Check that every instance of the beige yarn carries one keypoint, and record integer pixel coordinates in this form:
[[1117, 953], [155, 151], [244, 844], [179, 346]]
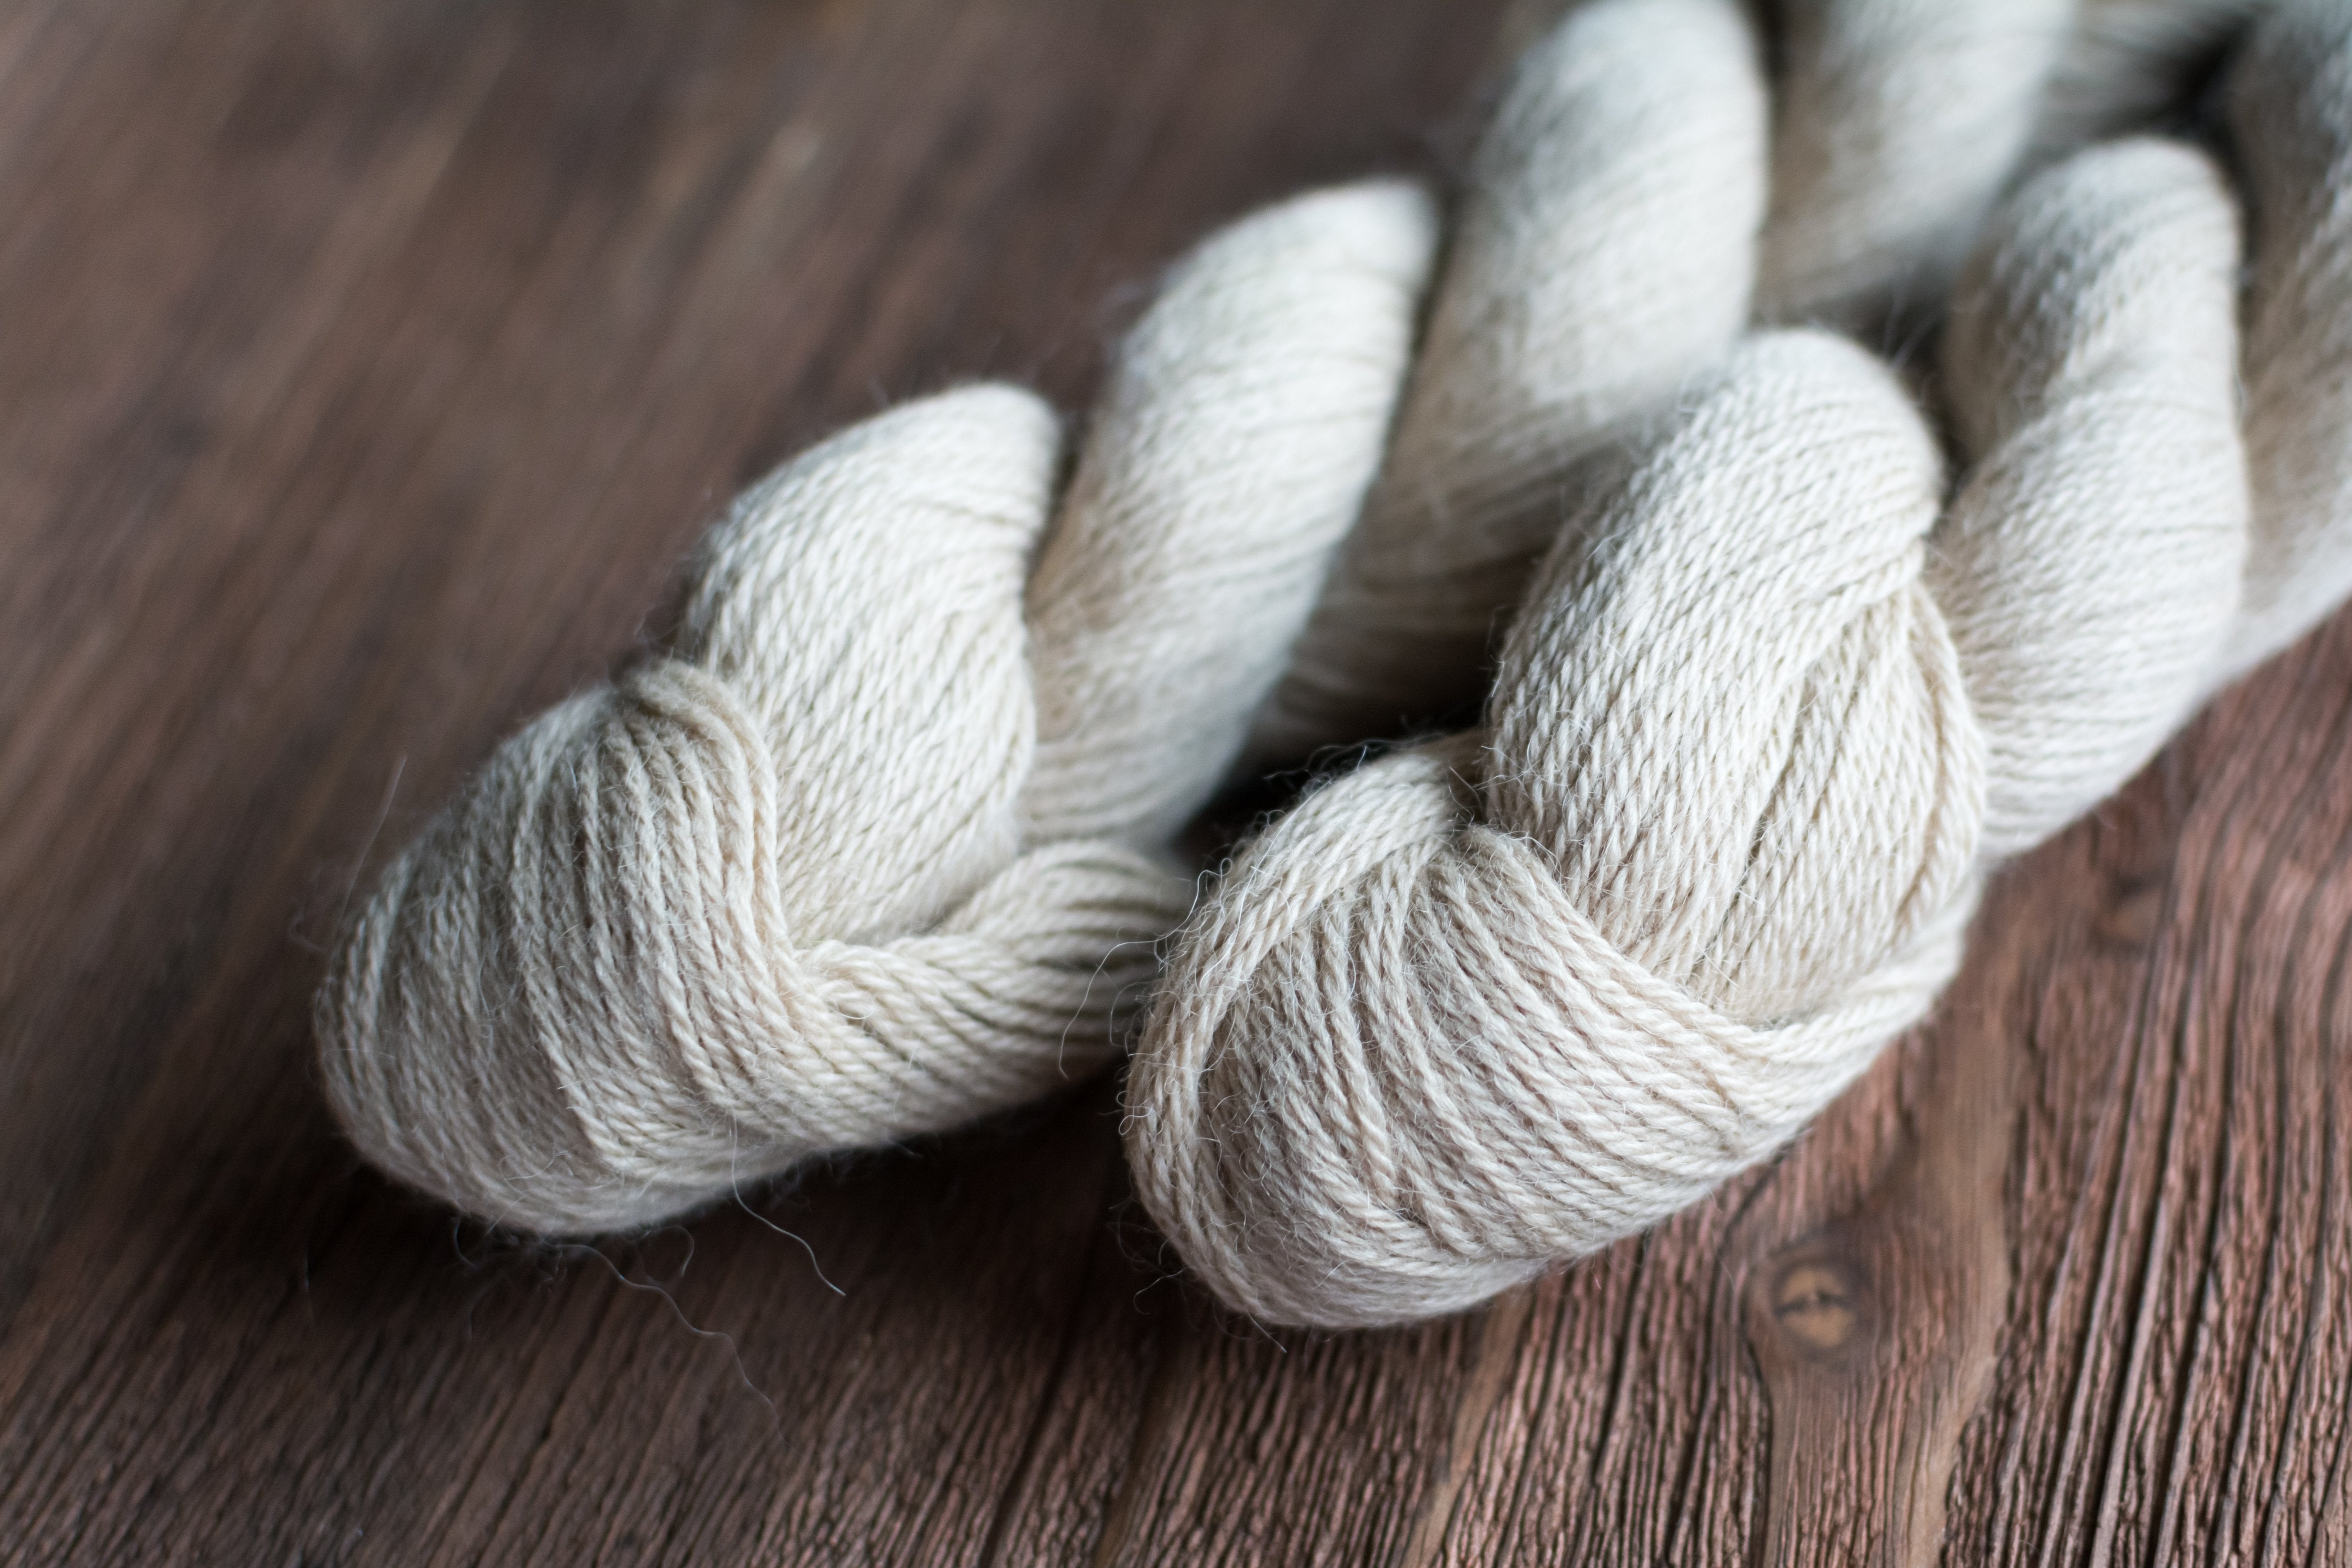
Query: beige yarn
[[1604, 254], [878, 846], [1615, 238], [874, 848], [1770, 708]]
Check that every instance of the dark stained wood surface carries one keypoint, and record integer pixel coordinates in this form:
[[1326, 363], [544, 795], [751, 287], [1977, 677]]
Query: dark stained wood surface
[[363, 367]]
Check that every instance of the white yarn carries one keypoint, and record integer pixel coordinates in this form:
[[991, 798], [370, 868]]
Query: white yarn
[[2090, 567], [1604, 254], [1899, 120], [2291, 108], [1615, 237], [1497, 1000], [876, 847]]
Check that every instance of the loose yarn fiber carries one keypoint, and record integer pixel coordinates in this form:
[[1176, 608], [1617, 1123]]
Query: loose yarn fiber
[[1770, 708], [879, 843]]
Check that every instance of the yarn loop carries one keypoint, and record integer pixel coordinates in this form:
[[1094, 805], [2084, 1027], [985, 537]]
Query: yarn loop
[[878, 845]]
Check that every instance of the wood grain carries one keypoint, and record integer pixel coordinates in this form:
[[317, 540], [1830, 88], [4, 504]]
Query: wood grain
[[363, 367]]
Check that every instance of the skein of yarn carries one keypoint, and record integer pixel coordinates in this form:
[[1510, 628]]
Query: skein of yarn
[[1771, 709], [878, 844], [878, 847], [1641, 198]]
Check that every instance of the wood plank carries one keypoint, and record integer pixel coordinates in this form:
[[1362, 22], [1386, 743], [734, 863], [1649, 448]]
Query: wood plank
[[364, 367], [369, 366]]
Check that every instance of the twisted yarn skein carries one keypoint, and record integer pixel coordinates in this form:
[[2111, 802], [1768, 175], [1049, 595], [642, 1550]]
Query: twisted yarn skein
[[878, 845], [1642, 197], [1771, 709]]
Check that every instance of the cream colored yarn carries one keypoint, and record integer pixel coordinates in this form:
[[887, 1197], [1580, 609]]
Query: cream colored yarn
[[1771, 707], [874, 848], [878, 846], [1617, 235]]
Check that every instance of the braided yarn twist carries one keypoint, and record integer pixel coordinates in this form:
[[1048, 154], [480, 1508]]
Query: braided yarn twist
[[1641, 199], [1772, 706], [878, 844]]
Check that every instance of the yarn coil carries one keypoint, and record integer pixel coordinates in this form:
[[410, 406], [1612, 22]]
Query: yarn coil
[[1771, 709], [878, 843], [1639, 199]]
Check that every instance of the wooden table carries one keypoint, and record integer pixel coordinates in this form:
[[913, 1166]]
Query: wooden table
[[363, 367]]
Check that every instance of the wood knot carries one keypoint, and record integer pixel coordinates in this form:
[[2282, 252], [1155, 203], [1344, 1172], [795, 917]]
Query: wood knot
[[2132, 911], [1817, 1302]]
